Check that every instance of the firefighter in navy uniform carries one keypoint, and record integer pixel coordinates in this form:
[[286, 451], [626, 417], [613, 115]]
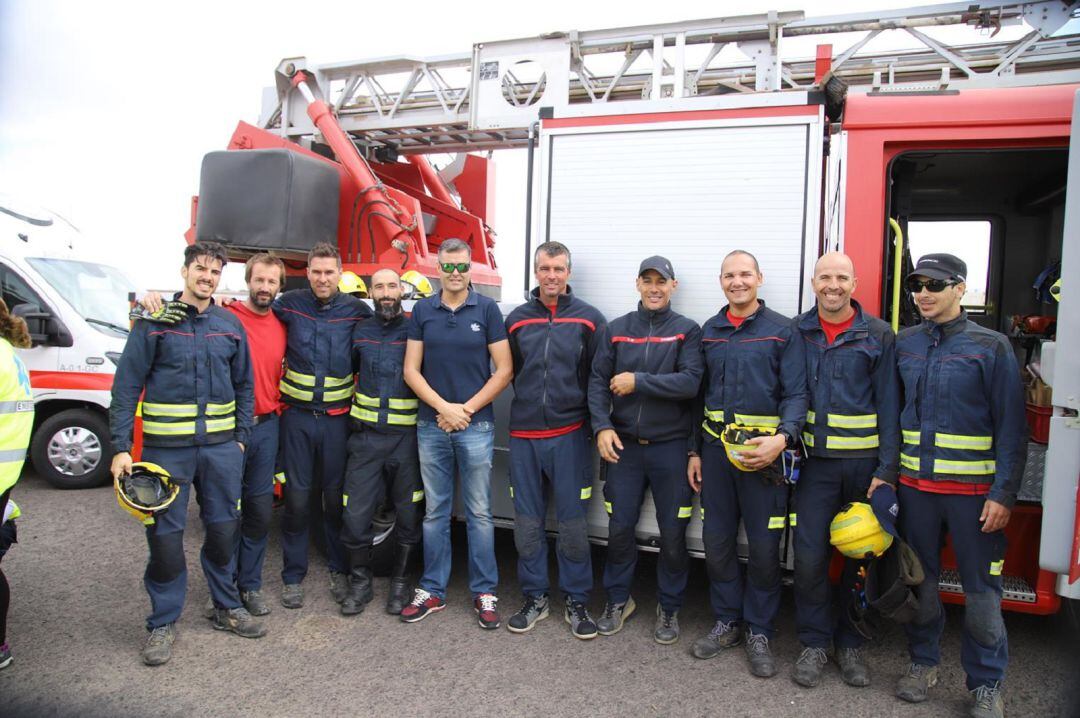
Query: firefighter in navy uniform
[[645, 377], [316, 389], [553, 338], [962, 455], [852, 441], [197, 416], [754, 388], [382, 448]]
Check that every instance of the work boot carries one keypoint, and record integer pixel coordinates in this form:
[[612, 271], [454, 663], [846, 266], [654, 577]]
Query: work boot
[[534, 609], [723, 635], [399, 580], [581, 623], [292, 595], [666, 631], [339, 585], [614, 616], [238, 621], [807, 669], [254, 602], [5, 656], [360, 592], [761, 660], [915, 686], [988, 702], [853, 668], [158, 648]]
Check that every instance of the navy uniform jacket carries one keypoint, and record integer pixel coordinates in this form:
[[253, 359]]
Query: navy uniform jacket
[[663, 350], [382, 400], [553, 355], [198, 382]]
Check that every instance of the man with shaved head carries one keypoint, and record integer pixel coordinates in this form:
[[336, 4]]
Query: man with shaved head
[[382, 448], [852, 440]]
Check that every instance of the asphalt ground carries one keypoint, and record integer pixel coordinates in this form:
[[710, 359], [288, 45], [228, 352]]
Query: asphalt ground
[[78, 606]]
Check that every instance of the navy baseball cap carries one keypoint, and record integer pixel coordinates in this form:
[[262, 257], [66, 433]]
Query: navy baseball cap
[[886, 508], [941, 266], [659, 264]]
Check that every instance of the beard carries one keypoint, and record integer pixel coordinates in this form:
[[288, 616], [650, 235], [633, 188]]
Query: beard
[[388, 309], [262, 300]]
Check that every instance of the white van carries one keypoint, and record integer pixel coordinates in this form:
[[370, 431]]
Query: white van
[[76, 309]]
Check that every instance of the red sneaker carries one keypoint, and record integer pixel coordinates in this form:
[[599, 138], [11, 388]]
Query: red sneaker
[[422, 604], [486, 610]]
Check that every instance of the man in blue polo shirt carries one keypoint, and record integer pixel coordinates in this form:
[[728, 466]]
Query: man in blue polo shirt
[[454, 338]]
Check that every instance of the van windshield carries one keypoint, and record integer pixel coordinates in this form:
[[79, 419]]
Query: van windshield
[[99, 293]]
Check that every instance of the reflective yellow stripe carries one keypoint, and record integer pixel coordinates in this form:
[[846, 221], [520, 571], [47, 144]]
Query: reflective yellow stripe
[[851, 442], [238, 504], [586, 493], [181, 410], [962, 441], [372, 417], [607, 507], [910, 437], [511, 492], [337, 394], [364, 414], [220, 424], [702, 509], [909, 462], [757, 420], [365, 400], [417, 496], [996, 567], [942, 466], [338, 380], [808, 439], [810, 417], [219, 409], [792, 519], [296, 393], [279, 477], [853, 421], [403, 403], [684, 512], [776, 522], [401, 419], [297, 378], [706, 427], [344, 499], [168, 428], [717, 416]]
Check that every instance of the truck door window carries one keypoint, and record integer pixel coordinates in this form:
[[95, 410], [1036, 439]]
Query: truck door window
[[968, 240], [16, 291]]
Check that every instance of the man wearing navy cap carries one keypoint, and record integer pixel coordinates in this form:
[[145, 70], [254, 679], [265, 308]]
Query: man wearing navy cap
[[645, 376], [962, 456]]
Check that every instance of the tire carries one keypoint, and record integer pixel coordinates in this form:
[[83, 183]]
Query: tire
[[71, 449]]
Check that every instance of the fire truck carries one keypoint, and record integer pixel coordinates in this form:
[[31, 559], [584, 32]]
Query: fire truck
[[881, 134]]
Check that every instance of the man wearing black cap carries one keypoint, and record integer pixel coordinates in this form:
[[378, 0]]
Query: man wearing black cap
[[963, 445], [645, 375]]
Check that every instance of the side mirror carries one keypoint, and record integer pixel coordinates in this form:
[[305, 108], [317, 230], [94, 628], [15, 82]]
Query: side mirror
[[45, 328]]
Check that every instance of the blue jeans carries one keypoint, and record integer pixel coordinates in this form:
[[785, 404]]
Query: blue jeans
[[470, 452]]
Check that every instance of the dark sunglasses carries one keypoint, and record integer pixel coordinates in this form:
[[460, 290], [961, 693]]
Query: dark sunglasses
[[933, 285], [461, 267]]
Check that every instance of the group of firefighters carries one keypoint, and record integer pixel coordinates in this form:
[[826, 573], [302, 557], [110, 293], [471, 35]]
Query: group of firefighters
[[367, 403]]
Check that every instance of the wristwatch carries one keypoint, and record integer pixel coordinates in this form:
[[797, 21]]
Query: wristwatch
[[789, 440]]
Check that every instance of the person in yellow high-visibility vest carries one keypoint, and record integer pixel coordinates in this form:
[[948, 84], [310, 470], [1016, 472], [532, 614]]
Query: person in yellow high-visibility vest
[[16, 420]]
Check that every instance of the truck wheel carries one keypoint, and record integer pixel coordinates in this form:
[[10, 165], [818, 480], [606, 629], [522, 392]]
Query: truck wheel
[[71, 449]]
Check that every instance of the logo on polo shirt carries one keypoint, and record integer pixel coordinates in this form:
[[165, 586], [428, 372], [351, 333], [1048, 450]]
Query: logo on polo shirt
[[475, 326]]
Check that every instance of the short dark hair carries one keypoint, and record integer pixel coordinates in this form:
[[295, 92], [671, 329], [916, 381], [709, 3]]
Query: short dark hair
[[210, 250], [263, 258], [453, 244], [734, 252], [324, 249], [553, 249]]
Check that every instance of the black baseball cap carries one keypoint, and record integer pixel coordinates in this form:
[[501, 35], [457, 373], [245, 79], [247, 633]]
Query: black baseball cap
[[940, 266], [659, 264], [886, 508]]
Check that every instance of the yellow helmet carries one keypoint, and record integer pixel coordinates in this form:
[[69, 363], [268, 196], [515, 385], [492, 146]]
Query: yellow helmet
[[857, 533], [350, 283], [416, 285], [734, 438], [146, 492]]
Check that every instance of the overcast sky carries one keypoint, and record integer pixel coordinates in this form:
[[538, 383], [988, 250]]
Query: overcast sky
[[106, 108]]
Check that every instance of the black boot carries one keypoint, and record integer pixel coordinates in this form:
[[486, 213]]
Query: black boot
[[360, 583], [400, 592]]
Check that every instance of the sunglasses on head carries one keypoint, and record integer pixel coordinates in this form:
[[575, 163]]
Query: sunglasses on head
[[932, 285], [461, 267]]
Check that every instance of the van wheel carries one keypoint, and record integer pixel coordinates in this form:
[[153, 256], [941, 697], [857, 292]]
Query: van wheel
[[71, 449]]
